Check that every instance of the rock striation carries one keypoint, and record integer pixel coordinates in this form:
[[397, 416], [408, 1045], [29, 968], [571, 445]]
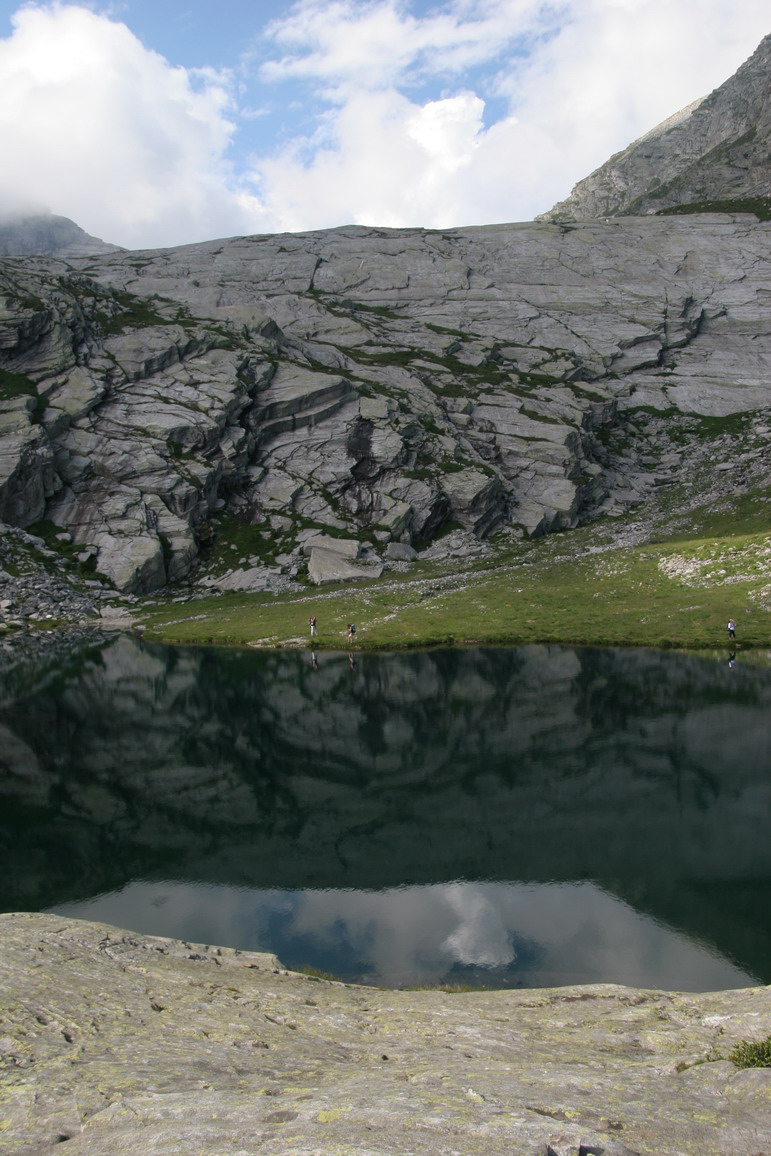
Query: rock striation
[[119, 1042], [715, 150], [382, 386]]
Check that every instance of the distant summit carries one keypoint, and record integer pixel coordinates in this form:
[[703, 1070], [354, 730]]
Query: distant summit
[[49, 235], [713, 155]]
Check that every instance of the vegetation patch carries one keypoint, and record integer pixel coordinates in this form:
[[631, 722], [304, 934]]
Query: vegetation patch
[[50, 533], [760, 206], [234, 539], [13, 385], [550, 590], [121, 311], [752, 1053]]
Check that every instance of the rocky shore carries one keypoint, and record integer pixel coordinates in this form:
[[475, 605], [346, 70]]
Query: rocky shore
[[124, 1043], [45, 609]]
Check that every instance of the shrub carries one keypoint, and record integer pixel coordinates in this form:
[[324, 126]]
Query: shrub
[[752, 1053]]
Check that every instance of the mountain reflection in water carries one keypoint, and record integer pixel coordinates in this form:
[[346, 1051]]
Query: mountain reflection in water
[[527, 816]]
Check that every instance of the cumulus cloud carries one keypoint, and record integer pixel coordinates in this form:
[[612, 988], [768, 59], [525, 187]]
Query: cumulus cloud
[[572, 84], [96, 127], [381, 159], [471, 112], [347, 45]]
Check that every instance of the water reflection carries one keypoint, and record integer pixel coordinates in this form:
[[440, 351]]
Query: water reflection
[[287, 796], [503, 934]]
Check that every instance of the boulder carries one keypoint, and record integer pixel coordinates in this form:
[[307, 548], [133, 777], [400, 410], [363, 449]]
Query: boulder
[[400, 552], [326, 565], [343, 547]]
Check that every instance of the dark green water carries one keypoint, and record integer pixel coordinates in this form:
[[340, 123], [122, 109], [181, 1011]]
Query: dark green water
[[528, 816]]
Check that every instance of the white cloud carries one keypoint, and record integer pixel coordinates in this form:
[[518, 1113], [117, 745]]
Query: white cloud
[[348, 45], [100, 129], [596, 75], [478, 111], [381, 159]]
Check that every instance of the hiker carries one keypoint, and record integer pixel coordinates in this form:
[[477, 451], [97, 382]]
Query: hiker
[[731, 629], [312, 624], [351, 631]]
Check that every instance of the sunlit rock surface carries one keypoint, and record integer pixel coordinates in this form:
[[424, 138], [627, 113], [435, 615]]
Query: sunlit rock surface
[[123, 1043], [387, 384]]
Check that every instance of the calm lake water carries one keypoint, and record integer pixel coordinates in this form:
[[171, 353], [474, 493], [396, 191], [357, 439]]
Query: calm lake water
[[515, 817]]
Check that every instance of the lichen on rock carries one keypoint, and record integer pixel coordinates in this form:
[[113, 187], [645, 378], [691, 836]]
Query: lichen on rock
[[120, 1042]]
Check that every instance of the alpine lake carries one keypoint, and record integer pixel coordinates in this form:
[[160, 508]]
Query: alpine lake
[[519, 817]]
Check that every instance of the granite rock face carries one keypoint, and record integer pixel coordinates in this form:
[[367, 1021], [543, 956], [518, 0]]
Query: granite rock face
[[385, 385], [116, 1042], [716, 149]]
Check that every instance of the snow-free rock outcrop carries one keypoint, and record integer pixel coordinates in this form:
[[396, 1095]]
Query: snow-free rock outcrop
[[24, 233], [156, 1046], [387, 385], [715, 150]]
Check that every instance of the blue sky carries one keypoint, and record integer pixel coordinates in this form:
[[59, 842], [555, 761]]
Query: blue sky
[[161, 122]]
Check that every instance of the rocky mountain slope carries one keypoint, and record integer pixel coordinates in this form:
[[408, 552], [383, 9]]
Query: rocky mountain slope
[[378, 386], [715, 150]]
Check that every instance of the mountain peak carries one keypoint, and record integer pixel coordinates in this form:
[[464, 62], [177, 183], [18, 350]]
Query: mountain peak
[[47, 234], [715, 150]]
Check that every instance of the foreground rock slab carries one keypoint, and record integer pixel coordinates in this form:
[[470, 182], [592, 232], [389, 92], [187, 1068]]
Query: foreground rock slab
[[124, 1043]]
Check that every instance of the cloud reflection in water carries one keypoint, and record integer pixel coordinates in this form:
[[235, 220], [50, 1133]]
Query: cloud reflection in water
[[503, 934]]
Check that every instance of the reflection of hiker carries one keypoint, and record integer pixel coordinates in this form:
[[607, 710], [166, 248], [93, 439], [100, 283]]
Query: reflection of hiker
[[351, 662], [731, 660], [314, 661], [731, 628], [352, 632], [312, 624]]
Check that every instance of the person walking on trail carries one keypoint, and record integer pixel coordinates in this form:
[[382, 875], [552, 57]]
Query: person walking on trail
[[352, 632], [731, 629], [312, 624]]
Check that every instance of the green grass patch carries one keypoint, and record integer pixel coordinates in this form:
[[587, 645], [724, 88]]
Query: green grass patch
[[547, 591], [739, 515], [760, 206], [317, 973], [13, 385], [234, 539], [48, 531]]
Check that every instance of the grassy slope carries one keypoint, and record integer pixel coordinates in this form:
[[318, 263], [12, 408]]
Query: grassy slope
[[678, 591]]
